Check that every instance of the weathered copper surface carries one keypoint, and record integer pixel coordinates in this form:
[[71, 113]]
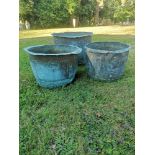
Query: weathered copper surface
[[79, 39], [106, 60], [53, 65]]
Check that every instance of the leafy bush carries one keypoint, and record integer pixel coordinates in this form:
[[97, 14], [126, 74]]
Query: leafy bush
[[47, 13]]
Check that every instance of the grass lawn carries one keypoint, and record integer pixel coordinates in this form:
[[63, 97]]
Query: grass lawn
[[86, 117]]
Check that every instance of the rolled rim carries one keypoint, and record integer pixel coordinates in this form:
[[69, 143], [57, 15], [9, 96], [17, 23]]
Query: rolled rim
[[72, 34], [75, 50], [125, 47]]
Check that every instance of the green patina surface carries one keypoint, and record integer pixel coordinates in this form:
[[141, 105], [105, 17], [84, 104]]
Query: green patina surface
[[80, 39], [53, 65], [106, 60]]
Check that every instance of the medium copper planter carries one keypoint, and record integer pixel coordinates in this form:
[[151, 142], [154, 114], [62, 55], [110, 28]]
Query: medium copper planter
[[106, 60], [79, 39], [53, 65]]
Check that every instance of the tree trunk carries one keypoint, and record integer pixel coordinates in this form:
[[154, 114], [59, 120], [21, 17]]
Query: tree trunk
[[97, 13], [78, 21]]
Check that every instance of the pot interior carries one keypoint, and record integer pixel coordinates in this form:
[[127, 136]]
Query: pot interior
[[107, 46], [52, 49]]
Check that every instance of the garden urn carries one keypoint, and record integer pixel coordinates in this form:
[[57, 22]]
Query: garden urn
[[79, 39], [53, 65], [106, 60]]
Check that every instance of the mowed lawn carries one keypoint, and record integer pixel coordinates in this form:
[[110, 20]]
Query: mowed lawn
[[87, 117]]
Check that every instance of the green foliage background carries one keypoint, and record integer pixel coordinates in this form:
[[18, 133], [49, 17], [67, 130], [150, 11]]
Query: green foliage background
[[52, 13]]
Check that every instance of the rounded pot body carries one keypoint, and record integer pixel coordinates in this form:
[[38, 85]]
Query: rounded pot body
[[53, 65], [79, 39], [106, 60]]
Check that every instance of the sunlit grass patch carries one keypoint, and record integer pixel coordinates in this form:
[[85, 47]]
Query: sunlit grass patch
[[107, 30]]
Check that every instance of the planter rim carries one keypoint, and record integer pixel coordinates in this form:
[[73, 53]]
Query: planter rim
[[76, 51], [72, 34], [108, 51]]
